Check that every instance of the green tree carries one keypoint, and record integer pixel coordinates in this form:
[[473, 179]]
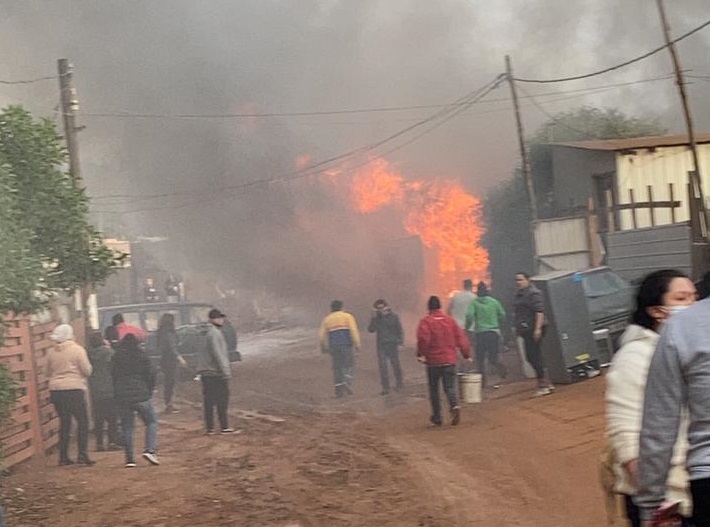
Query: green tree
[[507, 209]]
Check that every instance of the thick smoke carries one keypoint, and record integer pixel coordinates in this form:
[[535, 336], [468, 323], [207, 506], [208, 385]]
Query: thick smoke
[[220, 57]]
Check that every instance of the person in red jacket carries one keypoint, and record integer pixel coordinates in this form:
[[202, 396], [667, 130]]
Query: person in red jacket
[[438, 339]]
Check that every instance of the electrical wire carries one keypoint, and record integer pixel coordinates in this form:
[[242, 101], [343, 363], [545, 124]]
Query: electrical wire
[[29, 81], [618, 66], [442, 116]]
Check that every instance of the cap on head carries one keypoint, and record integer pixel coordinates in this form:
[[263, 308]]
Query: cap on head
[[62, 333], [379, 303], [336, 305], [433, 303], [215, 313]]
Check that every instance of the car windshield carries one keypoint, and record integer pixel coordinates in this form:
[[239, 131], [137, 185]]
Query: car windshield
[[602, 284], [197, 314], [152, 318]]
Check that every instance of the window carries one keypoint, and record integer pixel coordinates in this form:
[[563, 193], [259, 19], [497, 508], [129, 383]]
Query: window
[[152, 318]]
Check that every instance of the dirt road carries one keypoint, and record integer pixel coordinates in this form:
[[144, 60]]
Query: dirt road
[[304, 459]]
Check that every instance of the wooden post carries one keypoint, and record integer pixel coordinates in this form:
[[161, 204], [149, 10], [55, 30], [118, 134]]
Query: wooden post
[[632, 201], [32, 389], [610, 209], [595, 253], [651, 210], [672, 197]]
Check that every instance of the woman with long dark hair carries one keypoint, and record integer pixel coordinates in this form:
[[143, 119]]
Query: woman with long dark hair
[[169, 358], [660, 295]]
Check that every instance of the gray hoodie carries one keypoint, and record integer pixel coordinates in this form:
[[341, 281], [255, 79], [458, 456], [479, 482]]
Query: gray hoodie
[[679, 376], [213, 359]]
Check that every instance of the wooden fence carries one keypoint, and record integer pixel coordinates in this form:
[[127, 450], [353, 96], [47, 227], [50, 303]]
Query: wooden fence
[[32, 429]]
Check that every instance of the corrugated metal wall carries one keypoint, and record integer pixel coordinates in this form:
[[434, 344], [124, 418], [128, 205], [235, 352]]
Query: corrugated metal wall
[[635, 253], [562, 244], [658, 168]]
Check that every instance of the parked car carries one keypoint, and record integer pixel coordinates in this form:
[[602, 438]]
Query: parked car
[[610, 300], [190, 319]]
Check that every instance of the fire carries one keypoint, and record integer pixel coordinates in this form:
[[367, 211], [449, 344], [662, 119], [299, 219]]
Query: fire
[[376, 185], [441, 212]]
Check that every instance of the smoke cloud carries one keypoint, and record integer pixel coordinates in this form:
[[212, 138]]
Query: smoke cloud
[[300, 238]]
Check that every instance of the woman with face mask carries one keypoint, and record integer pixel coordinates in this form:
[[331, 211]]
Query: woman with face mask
[[660, 295]]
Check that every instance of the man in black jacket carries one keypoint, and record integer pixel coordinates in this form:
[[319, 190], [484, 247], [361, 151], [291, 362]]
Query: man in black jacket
[[101, 389], [133, 384], [390, 340]]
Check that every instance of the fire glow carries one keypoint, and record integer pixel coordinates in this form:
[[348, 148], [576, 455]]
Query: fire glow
[[441, 212]]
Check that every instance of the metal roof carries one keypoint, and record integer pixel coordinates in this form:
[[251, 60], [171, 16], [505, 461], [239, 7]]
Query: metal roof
[[635, 143]]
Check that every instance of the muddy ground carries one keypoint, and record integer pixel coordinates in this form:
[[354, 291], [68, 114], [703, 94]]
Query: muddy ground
[[304, 459]]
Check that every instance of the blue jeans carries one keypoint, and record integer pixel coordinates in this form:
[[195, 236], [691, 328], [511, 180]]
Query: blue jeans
[[147, 414]]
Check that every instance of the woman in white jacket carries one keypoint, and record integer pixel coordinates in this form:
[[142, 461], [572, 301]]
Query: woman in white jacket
[[661, 294]]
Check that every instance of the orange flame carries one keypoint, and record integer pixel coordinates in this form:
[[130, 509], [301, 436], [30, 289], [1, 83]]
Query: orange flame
[[442, 213]]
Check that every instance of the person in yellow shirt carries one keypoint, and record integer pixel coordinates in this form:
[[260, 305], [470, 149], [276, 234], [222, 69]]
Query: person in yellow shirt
[[340, 337]]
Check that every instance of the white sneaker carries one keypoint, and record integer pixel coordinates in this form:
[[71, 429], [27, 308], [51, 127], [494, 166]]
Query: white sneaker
[[151, 458], [542, 391], [131, 464]]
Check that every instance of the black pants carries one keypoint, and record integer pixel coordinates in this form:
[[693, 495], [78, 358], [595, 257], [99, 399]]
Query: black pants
[[445, 375], [169, 377], [533, 354], [68, 404], [388, 354], [700, 489], [487, 346], [215, 393], [343, 369], [633, 514], [105, 412]]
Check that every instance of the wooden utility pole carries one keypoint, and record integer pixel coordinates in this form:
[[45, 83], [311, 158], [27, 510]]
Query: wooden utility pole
[[694, 176], [69, 105], [525, 161]]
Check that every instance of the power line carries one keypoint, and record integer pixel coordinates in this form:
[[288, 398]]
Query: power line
[[442, 116], [29, 81], [130, 198], [618, 66]]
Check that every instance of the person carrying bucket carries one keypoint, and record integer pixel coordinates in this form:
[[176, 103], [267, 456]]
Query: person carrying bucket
[[484, 319], [438, 339]]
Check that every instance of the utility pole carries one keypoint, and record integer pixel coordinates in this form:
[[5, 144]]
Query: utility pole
[[521, 140], [524, 159], [69, 105], [695, 180]]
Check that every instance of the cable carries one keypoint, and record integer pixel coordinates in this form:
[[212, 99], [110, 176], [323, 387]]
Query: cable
[[618, 66], [30, 81], [577, 92], [444, 115]]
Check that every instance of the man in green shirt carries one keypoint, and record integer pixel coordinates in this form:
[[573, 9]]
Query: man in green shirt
[[484, 319]]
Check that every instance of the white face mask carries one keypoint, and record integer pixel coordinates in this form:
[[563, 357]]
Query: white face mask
[[674, 310]]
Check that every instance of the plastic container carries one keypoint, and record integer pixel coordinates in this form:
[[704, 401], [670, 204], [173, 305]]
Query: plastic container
[[470, 387]]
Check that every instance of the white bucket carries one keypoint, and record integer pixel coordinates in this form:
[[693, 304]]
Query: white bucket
[[470, 387]]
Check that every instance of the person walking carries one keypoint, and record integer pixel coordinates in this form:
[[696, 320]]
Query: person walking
[[101, 390], [458, 305], [529, 325], [170, 358], [68, 369], [390, 341], [339, 337], [123, 328], [659, 294], [678, 384], [214, 371], [133, 384], [484, 320], [438, 339]]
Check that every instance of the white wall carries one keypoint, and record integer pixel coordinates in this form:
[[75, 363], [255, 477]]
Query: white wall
[[659, 168]]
